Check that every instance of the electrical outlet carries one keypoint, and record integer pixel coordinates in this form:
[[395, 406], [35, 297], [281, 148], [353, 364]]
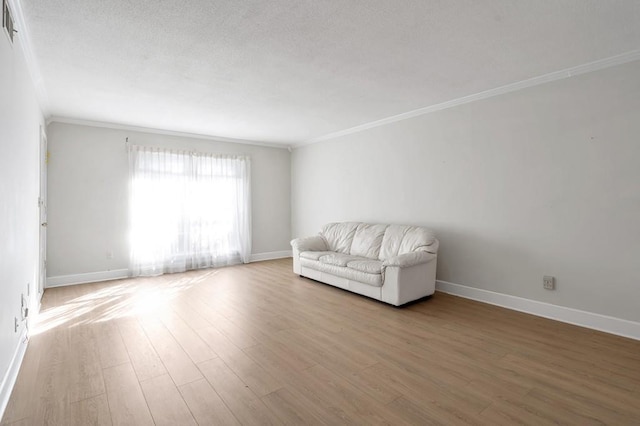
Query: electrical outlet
[[549, 282]]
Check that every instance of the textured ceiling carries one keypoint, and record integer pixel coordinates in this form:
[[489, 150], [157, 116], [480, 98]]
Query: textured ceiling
[[290, 71]]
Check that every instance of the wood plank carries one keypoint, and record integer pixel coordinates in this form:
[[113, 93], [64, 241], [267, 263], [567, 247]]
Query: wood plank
[[90, 411], [127, 404], [145, 360], [294, 409], [259, 380], [431, 412], [111, 348], [206, 405], [165, 402], [193, 345], [181, 368], [52, 393], [342, 397], [83, 364], [242, 401], [28, 421]]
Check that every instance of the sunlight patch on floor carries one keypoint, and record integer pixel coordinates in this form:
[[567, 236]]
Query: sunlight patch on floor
[[136, 297]]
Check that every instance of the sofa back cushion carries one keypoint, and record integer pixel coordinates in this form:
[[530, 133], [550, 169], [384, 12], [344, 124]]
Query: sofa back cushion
[[339, 236], [400, 239], [367, 240], [377, 240]]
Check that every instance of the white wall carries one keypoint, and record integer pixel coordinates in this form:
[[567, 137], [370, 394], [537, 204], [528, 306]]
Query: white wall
[[543, 181], [87, 186], [20, 120]]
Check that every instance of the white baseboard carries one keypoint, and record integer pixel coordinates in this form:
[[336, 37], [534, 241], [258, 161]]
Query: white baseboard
[[90, 277], [9, 380], [258, 257], [618, 326]]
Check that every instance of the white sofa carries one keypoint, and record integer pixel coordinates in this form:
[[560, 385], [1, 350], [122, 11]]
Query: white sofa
[[392, 263]]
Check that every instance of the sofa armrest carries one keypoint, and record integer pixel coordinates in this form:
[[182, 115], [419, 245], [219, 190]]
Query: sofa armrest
[[433, 247], [405, 284], [409, 259], [315, 243]]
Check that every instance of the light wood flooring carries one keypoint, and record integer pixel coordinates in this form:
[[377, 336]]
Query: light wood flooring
[[256, 344]]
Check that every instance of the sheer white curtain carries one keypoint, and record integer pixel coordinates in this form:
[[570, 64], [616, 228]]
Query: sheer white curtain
[[188, 210]]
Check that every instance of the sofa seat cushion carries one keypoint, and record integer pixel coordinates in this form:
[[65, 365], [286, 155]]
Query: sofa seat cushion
[[338, 259], [314, 255], [368, 266], [343, 272]]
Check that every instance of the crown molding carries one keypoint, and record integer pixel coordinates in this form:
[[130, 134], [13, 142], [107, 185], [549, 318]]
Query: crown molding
[[535, 81], [24, 40], [107, 125]]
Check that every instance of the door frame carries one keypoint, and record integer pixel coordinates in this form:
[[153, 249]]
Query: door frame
[[42, 215]]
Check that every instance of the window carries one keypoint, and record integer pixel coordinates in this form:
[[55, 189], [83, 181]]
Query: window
[[188, 210]]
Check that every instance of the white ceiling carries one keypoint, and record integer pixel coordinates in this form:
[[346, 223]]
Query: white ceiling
[[291, 71]]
